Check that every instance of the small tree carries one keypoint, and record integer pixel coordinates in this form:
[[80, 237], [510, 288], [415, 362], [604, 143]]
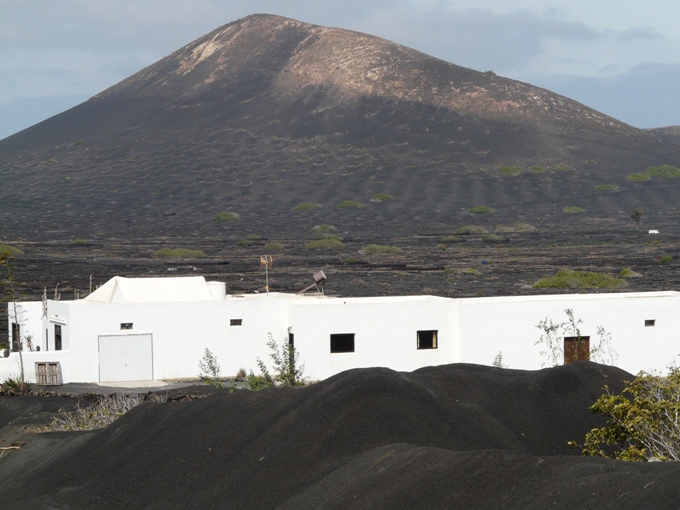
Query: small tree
[[643, 421], [288, 371], [498, 361], [210, 370], [636, 216]]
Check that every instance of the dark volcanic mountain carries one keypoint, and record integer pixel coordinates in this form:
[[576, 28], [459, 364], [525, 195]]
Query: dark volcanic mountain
[[267, 112]]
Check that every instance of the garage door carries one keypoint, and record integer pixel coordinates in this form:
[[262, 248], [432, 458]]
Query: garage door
[[125, 358]]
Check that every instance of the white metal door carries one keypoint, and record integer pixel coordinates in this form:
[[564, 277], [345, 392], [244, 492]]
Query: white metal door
[[125, 358]]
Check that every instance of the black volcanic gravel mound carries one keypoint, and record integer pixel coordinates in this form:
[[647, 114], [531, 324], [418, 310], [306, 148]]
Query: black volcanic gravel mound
[[444, 437]]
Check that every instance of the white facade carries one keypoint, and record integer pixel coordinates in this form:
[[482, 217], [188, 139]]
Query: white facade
[[159, 328]]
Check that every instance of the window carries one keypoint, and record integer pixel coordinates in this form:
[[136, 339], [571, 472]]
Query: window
[[427, 339], [236, 322], [650, 323], [342, 342], [57, 337], [125, 325], [16, 336]]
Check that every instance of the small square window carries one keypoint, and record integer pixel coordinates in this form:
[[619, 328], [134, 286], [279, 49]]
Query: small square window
[[236, 322], [427, 339], [125, 325], [342, 342], [650, 323]]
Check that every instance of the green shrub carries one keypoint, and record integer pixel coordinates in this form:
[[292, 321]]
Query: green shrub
[[606, 188], [326, 244], [253, 237], [504, 229], [666, 259], [325, 228], [569, 279], [573, 210], [11, 250], [638, 177], [348, 203], [441, 247], [481, 209], [377, 249], [564, 168], [537, 169], [351, 260], [329, 236], [381, 197], [493, 238], [227, 216], [663, 171], [524, 227], [273, 247], [511, 171], [471, 229], [591, 162], [179, 253], [243, 243], [305, 206], [79, 242], [471, 270], [629, 273], [451, 239], [464, 270]]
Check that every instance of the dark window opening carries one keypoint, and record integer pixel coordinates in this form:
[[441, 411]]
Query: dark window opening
[[47, 339], [427, 339], [125, 325], [57, 337], [236, 322], [576, 348], [16, 336], [342, 342], [291, 340], [649, 323]]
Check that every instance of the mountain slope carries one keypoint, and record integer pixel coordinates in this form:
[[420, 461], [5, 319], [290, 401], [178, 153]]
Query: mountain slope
[[267, 112]]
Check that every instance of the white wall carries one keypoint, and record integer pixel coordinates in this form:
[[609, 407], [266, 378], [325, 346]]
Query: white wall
[[385, 332], [508, 324]]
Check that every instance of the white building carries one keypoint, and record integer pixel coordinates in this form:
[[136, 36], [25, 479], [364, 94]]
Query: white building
[[158, 328]]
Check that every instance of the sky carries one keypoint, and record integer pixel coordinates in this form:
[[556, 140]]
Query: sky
[[621, 57]]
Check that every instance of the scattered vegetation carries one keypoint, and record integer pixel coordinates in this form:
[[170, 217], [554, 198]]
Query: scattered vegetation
[[511, 171], [100, 414], [227, 216], [326, 244], [629, 273], [464, 270], [288, 371], [452, 239], [537, 169], [638, 177], [498, 361], [441, 247], [14, 385], [504, 229], [10, 250], [323, 229], [179, 253], [552, 340], [666, 259], [608, 188], [481, 209], [377, 249], [564, 168], [573, 210], [636, 216], [80, 242], [643, 422], [494, 238], [273, 247], [524, 227], [382, 197], [471, 229], [243, 243], [569, 279], [663, 171], [305, 206], [348, 203]]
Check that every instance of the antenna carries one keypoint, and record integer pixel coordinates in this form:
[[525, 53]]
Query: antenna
[[266, 261]]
